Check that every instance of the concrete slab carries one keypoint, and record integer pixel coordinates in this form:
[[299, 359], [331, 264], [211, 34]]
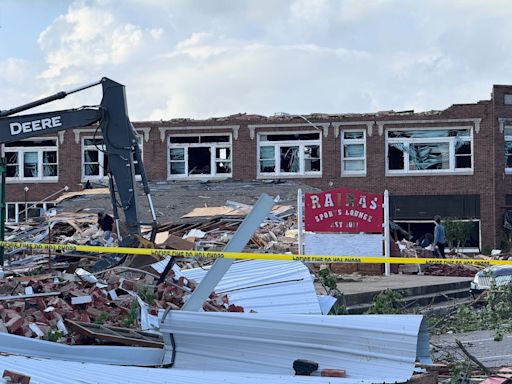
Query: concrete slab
[[362, 284], [417, 290], [479, 343]]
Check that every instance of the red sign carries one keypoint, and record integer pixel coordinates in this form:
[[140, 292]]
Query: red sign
[[343, 210]]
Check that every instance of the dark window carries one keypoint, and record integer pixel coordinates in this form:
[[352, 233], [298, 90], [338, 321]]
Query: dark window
[[395, 158]]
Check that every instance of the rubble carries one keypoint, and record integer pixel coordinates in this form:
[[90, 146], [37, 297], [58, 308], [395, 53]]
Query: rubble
[[111, 301]]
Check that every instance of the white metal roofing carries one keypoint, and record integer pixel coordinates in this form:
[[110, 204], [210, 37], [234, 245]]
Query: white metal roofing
[[267, 343], [267, 286], [42, 371], [102, 354]]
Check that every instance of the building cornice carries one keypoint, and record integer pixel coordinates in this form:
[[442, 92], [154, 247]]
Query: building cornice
[[253, 127], [337, 125], [144, 130], [381, 123], [164, 130]]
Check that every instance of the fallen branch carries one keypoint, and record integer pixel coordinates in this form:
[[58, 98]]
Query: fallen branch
[[473, 358]]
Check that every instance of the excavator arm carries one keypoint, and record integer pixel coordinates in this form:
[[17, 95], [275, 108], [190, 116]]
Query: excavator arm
[[119, 136]]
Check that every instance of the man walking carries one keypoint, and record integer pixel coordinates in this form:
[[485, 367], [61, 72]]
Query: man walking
[[439, 235]]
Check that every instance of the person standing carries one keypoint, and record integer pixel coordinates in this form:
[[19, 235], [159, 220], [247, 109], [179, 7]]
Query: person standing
[[106, 223], [439, 239]]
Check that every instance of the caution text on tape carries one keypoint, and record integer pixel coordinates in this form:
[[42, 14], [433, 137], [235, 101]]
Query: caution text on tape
[[251, 256]]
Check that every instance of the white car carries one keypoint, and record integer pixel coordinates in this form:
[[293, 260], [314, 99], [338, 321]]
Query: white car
[[497, 275]]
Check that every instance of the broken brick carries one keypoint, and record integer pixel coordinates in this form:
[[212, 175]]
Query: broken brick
[[14, 324], [15, 377], [333, 372]]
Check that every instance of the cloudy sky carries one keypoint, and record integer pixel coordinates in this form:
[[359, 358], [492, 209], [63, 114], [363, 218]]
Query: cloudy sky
[[205, 58]]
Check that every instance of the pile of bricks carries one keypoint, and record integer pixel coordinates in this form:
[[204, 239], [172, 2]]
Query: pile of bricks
[[104, 302], [451, 270]]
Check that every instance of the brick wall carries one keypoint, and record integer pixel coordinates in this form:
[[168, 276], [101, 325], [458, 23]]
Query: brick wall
[[488, 179]]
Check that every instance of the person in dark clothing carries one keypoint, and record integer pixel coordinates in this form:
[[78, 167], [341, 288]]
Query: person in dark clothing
[[105, 223], [439, 236], [427, 240]]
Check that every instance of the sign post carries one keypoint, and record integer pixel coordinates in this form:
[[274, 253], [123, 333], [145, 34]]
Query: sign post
[[387, 250], [299, 219]]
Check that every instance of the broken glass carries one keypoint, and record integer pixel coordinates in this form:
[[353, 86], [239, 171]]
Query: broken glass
[[463, 155], [199, 161], [508, 154], [429, 156], [312, 158], [12, 164], [353, 135], [396, 156], [290, 162]]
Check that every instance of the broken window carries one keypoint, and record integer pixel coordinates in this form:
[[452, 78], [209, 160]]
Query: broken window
[[31, 159], [95, 158], [435, 150], [508, 149], [289, 154], [353, 152], [200, 155], [16, 212]]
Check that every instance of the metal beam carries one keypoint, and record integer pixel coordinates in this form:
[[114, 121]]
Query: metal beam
[[237, 243]]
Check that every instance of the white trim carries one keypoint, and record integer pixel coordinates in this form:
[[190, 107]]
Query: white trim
[[502, 121], [429, 172], [213, 160], [99, 134], [380, 124], [165, 130], [344, 142], [101, 158], [507, 139], [277, 158], [20, 150], [17, 210], [253, 127], [337, 125]]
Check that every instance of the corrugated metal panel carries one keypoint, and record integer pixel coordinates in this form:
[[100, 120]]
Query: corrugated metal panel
[[65, 372], [246, 342], [20, 345], [267, 286]]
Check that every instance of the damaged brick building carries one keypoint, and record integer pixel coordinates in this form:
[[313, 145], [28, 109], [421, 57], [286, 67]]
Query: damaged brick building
[[456, 163]]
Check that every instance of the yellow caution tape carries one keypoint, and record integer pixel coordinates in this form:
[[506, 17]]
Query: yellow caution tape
[[251, 256]]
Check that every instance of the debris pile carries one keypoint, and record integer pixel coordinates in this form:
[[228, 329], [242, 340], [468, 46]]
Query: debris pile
[[44, 306]]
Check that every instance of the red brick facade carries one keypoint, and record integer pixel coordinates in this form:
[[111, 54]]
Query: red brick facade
[[488, 179]]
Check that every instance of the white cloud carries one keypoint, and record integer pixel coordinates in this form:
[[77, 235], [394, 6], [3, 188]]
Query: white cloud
[[200, 59]]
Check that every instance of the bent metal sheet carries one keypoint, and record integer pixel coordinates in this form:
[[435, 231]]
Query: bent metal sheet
[[344, 211]]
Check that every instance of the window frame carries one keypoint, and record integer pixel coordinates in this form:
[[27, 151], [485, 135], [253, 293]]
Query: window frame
[[451, 170], [353, 141], [213, 146], [288, 143], [507, 138], [17, 211], [21, 150], [101, 157]]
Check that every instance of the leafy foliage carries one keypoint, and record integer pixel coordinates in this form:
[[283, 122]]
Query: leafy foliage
[[457, 232], [495, 315], [330, 283], [387, 302], [132, 315]]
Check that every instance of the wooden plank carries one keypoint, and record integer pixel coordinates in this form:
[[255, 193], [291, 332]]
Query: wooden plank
[[119, 335], [32, 296]]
